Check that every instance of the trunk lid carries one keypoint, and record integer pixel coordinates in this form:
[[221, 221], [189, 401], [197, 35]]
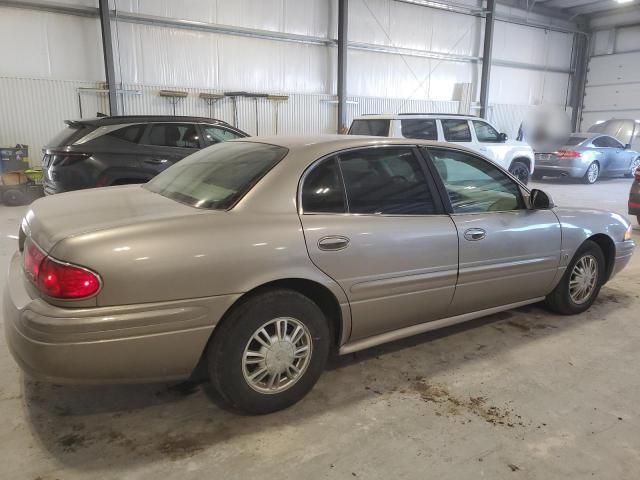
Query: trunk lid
[[54, 218]]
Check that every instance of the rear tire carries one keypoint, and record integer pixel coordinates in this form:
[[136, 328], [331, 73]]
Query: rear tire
[[638, 219], [14, 197], [255, 362], [520, 170], [566, 298], [591, 175]]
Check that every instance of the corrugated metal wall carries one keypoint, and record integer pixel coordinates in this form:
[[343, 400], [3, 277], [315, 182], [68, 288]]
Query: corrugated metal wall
[[32, 111]]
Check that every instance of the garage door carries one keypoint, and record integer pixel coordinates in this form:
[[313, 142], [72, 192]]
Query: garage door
[[613, 88]]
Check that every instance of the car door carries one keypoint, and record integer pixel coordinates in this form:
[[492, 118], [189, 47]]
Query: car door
[[508, 253], [489, 143], [620, 158], [167, 143], [373, 222]]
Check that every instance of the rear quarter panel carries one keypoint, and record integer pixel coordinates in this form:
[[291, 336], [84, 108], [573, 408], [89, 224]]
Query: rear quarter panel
[[217, 253]]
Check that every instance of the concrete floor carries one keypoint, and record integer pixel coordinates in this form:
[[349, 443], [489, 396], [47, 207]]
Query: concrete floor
[[522, 394]]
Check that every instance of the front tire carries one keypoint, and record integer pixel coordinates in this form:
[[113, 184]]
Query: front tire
[[581, 282], [521, 171], [269, 351], [592, 174]]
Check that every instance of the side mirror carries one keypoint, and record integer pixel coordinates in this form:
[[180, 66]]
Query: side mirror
[[502, 137], [540, 200], [627, 146]]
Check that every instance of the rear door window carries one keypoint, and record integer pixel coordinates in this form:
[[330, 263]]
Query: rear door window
[[322, 191], [183, 135], [70, 135], [214, 135], [131, 134], [456, 130], [386, 181], [422, 128], [375, 127]]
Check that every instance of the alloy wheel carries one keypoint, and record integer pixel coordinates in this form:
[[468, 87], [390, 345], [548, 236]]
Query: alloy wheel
[[634, 165], [277, 355], [592, 172], [583, 279]]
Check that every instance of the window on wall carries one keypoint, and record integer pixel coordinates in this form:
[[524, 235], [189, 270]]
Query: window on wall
[[422, 128], [456, 130], [386, 181], [173, 135], [322, 191], [485, 132], [475, 185]]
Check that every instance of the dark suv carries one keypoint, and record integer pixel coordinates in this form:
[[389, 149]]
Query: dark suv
[[105, 151]]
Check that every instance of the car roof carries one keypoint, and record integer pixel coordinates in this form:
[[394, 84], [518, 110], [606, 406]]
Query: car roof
[[400, 116], [316, 146], [588, 134], [118, 119]]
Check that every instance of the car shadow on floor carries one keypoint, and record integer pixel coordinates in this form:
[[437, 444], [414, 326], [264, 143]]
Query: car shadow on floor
[[95, 428]]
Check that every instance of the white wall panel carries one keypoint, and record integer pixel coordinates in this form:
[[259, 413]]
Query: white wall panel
[[518, 86], [48, 45], [165, 56], [308, 17], [33, 111], [628, 39]]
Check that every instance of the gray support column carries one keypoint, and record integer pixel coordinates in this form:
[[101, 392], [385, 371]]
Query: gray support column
[[579, 80], [486, 57], [343, 24], [107, 51]]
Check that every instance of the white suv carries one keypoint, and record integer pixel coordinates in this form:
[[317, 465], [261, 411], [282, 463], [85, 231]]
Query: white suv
[[472, 132]]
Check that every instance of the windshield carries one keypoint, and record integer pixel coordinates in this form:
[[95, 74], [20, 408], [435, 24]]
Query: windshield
[[218, 176]]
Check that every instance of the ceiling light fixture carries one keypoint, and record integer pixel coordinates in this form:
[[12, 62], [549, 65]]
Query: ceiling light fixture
[[624, 1]]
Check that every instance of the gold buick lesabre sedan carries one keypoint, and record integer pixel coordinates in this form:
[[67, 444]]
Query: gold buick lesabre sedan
[[258, 256]]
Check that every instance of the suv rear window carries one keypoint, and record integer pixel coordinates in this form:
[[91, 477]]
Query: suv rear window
[[376, 127], [422, 128], [218, 176], [70, 135]]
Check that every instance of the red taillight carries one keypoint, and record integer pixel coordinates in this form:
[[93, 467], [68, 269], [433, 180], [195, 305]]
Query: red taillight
[[57, 279], [636, 174], [567, 154]]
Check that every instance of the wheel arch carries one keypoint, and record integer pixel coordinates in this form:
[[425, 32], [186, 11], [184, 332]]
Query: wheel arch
[[608, 247], [519, 158], [320, 294]]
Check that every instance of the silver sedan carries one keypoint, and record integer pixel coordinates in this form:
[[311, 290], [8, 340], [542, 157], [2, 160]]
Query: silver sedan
[[588, 156], [258, 257]]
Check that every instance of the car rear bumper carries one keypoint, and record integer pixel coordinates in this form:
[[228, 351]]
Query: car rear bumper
[[121, 344], [560, 171]]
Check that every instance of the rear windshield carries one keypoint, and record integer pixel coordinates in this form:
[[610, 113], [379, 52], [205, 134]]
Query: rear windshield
[[70, 135], [375, 127], [574, 140], [218, 176]]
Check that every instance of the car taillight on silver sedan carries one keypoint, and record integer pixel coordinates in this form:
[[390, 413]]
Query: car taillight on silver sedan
[[567, 154], [57, 279]]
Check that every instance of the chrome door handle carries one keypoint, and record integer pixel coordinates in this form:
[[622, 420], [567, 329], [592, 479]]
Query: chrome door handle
[[474, 234], [333, 243]]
